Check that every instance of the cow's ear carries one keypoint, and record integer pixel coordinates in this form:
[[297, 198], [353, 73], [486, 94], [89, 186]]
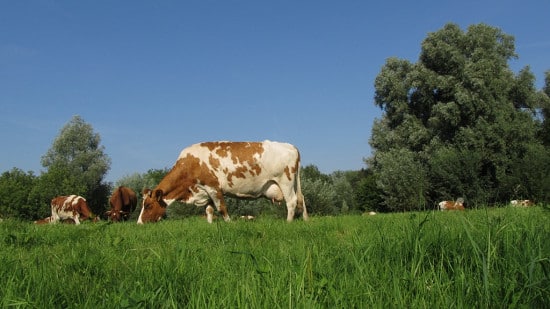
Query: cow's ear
[[146, 191], [158, 194]]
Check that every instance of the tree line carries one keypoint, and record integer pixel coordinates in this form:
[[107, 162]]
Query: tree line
[[457, 123]]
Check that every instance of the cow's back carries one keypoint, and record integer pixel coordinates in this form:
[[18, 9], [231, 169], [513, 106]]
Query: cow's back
[[243, 166]]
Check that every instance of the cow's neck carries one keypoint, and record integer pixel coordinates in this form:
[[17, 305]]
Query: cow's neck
[[171, 185]]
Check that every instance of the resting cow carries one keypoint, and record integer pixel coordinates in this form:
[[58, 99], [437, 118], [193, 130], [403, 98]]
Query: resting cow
[[450, 205], [522, 203], [205, 172], [123, 202], [69, 208]]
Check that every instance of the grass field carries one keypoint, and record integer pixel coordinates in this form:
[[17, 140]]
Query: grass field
[[489, 258]]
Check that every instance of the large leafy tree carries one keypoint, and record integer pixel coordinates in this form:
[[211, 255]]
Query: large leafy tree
[[456, 123], [75, 164]]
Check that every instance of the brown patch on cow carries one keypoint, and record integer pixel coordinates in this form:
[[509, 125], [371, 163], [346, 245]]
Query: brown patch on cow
[[215, 163], [81, 207], [522, 203], [288, 173], [186, 173], [179, 184], [240, 152], [239, 173], [452, 205]]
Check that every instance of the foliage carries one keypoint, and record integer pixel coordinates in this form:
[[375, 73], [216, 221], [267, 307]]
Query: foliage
[[138, 182], [455, 123], [76, 164], [367, 195], [475, 259], [405, 184], [545, 111], [15, 187]]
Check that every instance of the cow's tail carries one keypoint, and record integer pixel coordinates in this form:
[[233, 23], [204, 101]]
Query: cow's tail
[[301, 201]]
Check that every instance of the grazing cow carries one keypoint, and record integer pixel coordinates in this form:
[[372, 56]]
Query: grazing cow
[[123, 202], [522, 203], [205, 172], [69, 208], [450, 205]]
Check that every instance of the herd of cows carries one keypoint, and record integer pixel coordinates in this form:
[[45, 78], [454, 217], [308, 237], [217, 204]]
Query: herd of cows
[[203, 174], [459, 204], [206, 172], [74, 208]]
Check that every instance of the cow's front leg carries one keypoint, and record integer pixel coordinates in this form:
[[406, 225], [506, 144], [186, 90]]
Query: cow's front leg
[[209, 213], [76, 220]]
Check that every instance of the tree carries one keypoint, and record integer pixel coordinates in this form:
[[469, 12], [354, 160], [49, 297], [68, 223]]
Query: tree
[[455, 123], [15, 187], [76, 164], [545, 111], [368, 196], [138, 182]]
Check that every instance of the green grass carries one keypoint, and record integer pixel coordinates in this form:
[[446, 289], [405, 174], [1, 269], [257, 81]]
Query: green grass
[[494, 258]]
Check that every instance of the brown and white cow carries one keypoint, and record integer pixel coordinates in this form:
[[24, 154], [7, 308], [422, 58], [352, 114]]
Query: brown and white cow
[[123, 202], [69, 208], [522, 203], [205, 172], [452, 205]]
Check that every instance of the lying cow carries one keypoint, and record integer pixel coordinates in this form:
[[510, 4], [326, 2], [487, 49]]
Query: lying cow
[[69, 208], [450, 205], [123, 202], [205, 172], [522, 203]]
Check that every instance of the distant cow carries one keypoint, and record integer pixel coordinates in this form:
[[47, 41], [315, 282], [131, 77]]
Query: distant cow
[[123, 202], [72, 208], [522, 203], [450, 205], [205, 172]]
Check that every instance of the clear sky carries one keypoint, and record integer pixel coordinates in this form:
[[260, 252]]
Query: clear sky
[[153, 77]]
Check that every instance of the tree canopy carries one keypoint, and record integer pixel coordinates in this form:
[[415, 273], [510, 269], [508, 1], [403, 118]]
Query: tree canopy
[[76, 164], [458, 123]]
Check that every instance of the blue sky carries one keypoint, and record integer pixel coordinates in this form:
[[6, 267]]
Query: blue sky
[[152, 77]]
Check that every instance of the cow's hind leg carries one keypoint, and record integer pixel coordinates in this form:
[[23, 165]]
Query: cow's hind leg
[[219, 202], [291, 201], [223, 210]]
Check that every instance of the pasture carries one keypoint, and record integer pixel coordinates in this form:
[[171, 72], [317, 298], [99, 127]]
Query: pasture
[[486, 258]]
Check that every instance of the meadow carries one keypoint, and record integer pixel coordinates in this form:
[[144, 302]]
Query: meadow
[[485, 258]]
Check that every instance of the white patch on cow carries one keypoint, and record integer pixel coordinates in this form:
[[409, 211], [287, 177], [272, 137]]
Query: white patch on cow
[[140, 213], [201, 198]]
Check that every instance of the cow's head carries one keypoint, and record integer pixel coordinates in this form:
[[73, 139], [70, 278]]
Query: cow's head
[[153, 207], [115, 215]]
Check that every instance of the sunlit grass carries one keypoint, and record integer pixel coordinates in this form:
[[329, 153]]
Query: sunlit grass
[[479, 258]]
